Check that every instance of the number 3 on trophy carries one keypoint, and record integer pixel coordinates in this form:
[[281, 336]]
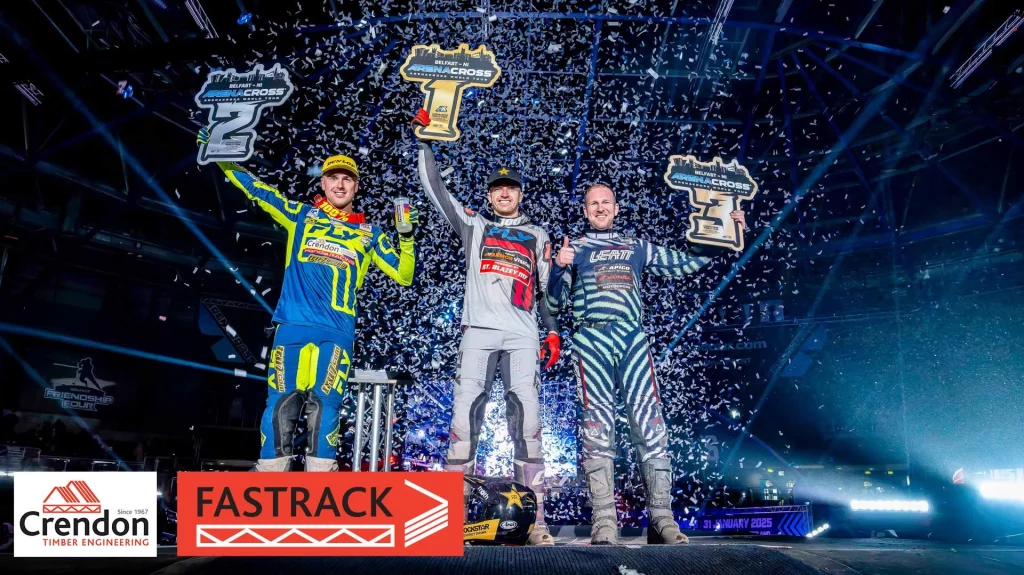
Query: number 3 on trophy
[[715, 190]]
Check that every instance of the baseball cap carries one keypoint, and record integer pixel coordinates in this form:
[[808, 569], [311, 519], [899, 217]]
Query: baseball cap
[[510, 175], [340, 163]]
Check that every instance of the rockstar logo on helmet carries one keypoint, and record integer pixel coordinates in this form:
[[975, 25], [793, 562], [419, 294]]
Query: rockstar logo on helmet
[[514, 497]]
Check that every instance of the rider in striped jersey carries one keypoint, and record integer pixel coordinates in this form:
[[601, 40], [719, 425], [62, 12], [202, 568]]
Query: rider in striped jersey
[[600, 272]]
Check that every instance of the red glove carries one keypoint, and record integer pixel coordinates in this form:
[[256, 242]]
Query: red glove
[[421, 118], [550, 347]]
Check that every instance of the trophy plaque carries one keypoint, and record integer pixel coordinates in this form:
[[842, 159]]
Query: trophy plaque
[[715, 189], [443, 76], [235, 101]]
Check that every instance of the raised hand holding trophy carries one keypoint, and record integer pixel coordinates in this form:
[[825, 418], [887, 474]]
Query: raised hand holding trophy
[[443, 75], [715, 190], [235, 101]]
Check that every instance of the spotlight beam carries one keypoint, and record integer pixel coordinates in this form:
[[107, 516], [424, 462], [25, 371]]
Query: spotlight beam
[[903, 81], [874, 106], [766, 52], [132, 162], [923, 149], [828, 116], [50, 336], [782, 460], [42, 383]]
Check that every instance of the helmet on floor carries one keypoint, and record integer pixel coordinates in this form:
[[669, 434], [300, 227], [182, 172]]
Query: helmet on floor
[[500, 511]]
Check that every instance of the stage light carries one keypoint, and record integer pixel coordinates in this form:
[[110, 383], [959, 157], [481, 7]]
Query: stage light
[[1002, 490], [124, 89], [897, 505], [734, 413], [818, 531], [244, 19]]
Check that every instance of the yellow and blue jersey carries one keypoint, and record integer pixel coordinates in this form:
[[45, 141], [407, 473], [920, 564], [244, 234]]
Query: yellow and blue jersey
[[328, 255]]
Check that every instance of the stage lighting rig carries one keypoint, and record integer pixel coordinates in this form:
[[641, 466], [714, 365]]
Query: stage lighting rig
[[30, 91], [1002, 490], [818, 531], [985, 50]]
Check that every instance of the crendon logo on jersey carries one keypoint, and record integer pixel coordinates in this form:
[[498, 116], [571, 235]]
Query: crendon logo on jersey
[[510, 254], [322, 251]]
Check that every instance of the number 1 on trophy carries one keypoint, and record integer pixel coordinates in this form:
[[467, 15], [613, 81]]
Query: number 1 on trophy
[[443, 76]]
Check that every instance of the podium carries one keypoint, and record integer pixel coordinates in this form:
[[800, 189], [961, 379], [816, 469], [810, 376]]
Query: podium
[[381, 387]]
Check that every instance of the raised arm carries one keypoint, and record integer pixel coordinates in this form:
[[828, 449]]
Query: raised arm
[[398, 266], [283, 210], [559, 287], [662, 261], [560, 280], [444, 202]]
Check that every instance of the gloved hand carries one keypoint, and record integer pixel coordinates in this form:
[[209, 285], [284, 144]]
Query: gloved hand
[[203, 137], [422, 118], [550, 348], [414, 219]]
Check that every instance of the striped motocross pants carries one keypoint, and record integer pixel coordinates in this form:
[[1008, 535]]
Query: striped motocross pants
[[612, 358]]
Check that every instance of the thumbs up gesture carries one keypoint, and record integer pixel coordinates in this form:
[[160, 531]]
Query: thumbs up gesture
[[566, 254]]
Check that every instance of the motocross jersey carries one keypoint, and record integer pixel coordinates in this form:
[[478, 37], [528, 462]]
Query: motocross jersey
[[328, 255], [604, 278], [505, 265]]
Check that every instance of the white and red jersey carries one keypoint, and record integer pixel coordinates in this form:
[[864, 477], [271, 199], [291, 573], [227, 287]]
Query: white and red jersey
[[505, 265]]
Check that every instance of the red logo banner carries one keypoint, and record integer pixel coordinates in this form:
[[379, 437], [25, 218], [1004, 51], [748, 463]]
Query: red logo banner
[[307, 514]]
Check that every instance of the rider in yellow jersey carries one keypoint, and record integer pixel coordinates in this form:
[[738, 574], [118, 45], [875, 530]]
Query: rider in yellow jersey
[[329, 251]]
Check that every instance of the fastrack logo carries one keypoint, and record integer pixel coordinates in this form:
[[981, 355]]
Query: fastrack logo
[[319, 514], [295, 501]]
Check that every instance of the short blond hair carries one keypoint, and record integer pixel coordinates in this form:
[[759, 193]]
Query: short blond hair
[[600, 184]]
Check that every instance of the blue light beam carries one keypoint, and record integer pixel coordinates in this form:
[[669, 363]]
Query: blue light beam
[[41, 382], [135, 165], [51, 336]]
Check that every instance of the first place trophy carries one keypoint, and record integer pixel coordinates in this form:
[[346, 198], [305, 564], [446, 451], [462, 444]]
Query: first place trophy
[[443, 76], [715, 189]]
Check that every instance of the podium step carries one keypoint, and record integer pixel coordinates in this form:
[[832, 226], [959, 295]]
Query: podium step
[[555, 560]]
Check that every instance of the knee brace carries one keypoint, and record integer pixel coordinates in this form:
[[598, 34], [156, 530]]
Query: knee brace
[[285, 417]]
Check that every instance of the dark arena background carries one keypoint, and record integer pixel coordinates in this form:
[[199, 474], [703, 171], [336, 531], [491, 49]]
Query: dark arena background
[[855, 374]]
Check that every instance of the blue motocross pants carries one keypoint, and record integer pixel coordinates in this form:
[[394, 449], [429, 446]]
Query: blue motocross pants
[[309, 368]]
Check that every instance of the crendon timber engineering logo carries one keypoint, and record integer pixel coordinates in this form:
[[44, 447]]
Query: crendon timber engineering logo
[[319, 514], [99, 514]]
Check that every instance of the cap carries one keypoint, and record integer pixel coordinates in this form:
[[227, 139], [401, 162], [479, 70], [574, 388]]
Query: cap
[[340, 163], [510, 175]]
